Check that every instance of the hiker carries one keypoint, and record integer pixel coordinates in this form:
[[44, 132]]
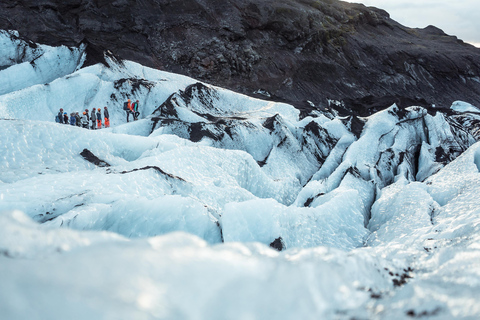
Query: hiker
[[65, 118], [127, 106], [59, 117], [84, 120], [135, 110], [78, 120], [107, 117], [73, 120], [99, 118], [93, 118], [88, 115]]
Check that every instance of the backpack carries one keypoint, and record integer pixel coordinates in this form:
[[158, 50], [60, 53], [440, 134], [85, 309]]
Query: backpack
[[57, 119], [125, 106]]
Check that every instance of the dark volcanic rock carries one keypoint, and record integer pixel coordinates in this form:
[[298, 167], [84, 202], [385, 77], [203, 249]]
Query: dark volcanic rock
[[90, 157], [294, 50], [278, 244]]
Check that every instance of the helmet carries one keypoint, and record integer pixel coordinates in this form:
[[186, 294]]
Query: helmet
[[61, 109], [64, 113], [84, 112], [137, 100], [129, 100], [98, 109], [104, 107]]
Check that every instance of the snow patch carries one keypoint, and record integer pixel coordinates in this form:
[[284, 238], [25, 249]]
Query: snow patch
[[461, 106]]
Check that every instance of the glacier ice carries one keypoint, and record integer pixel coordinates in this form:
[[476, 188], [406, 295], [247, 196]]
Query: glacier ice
[[378, 223]]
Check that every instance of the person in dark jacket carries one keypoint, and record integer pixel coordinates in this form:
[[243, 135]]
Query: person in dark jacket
[[77, 120], [65, 118], [93, 118], [88, 115], [59, 116], [73, 120], [107, 117], [135, 110], [99, 118]]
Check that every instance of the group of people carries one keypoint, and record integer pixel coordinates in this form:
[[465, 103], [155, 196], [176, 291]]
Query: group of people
[[95, 117], [132, 109], [93, 120]]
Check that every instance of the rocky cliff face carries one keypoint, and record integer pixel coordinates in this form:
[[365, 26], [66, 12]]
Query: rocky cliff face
[[293, 51]]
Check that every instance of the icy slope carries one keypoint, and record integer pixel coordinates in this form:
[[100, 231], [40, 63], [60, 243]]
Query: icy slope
[[25, 64], [172, 216], [215, 177], [421, 267], [434, 228], [50, 82], [173, 277]]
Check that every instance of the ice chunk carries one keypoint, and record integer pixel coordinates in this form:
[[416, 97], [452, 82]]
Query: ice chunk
[[337, 222], [461, 106]]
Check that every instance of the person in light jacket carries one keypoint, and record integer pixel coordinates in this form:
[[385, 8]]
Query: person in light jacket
[[78, 120], [84, 120]]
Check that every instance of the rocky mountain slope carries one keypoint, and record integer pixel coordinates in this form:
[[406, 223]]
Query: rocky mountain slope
[[293, 51]]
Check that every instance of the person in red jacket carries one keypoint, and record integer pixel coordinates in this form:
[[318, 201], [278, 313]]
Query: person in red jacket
[[129, 109]]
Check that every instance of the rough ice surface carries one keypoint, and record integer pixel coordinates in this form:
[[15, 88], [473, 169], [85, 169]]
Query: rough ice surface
[[24, 64], [180, 215], [462, 106]]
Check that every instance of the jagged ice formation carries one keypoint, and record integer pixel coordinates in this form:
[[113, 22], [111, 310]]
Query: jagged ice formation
[[173, 216]]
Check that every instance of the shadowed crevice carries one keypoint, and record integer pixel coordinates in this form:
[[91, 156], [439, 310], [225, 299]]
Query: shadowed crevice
[[156, 169]]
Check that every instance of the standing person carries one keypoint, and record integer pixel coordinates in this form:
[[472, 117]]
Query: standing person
[[59, 116], [78, 120], [106, 116], [93, 118], [72, 119], [84, 120], [127, 106], [135, 110], [99, 118], [88, 115]]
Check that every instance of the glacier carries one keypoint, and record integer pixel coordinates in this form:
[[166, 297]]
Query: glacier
[[216, 205]]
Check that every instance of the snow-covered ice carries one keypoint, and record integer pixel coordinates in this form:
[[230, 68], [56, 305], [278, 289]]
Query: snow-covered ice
[[174, 216], [462, 106]]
